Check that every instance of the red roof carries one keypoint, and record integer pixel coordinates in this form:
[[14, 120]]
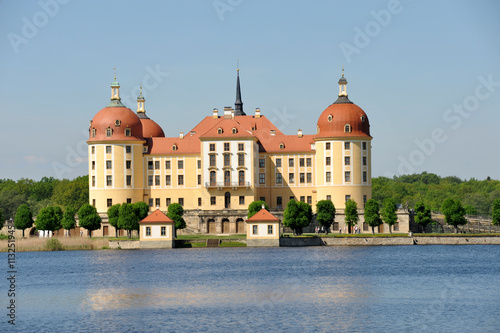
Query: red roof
[[157, 217], [108, 117], [341, 115], [263, 216], [230, 129], [151, 129]]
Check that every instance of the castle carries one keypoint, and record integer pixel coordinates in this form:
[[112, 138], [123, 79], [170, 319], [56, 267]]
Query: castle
[[227, 161]]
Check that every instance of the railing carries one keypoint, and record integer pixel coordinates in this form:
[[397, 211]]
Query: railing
[[227, 184]]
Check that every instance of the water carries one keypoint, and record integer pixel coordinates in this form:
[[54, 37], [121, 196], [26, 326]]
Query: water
[[316, 289]]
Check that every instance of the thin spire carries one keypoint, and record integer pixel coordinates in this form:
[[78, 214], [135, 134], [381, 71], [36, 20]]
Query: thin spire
[[238, 105]]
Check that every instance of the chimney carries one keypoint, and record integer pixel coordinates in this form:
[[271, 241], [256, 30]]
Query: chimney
[[228, 112], [215, 113], [273, 132], [181, 135], [299, 133], [263, 206], [257, 113]]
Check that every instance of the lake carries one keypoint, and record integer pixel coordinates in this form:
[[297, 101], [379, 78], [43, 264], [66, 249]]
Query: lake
[[309, 289]]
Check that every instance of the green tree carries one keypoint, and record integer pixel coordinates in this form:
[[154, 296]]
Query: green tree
[[175, 212], [49, 219], [88, 218], [68, 221], [495, 212], [422, 215], [470, 210], [297, 215], [141, 209], [127, 218], [372, 215], [454, 213], [72, 193], [113, 214], [24, 218], [388, 213], [325, 213], [255, 206], [351, 213]]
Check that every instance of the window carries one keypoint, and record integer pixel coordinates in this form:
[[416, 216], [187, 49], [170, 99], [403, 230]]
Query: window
[[129, 180], [347, 128], [150, 165], [212, 178], [301, 162], [180, 164], [109, 180], [109, 132], [157, 165], [167, 165], [278, 162], [108, 165], [347, 160], [309, 199], [269, 229], [262, 178], [174, 147], [168, 201], [212, 147], [262, 199], [168, 180], [262, 163], [363, 118], [302, 198], [181, 201], [180, 179], [150, 180], [93, 165], [242, 199], [128, 132], [241, 160], [212, 160], [128, 164], [365, 226], [364, 145], [93, 132], [328, 177], [241, 146], [93, 181], [157, 180], [347, 176], [347, 197], [364, 200], [148, 231], [364, 177], [309, 177], [347, 145], [254, 229], [364, 160], [308, 162], [226, 146], [396, 226], [279, 202], [292, 198], [290, 162], [199, 164], [129, 200], [92, 150], [227, 178], [157, 202], [279, 178], [241, 177], [128, 149], [109, 202], [291, 178], [199, 179], [163, 231], [108, 149], [302, 178], [227, 160], [199, 202], [328, 146], [329, 197], [212, 201], [282, 145], [118, 122], [328, 160], [329, 118], [93, 202], [150, 202]]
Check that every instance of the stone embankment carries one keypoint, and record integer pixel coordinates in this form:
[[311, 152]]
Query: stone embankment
[[383, 241]]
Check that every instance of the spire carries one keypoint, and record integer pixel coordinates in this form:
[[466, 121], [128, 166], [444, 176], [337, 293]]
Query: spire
[[342, 90], [141, 109], [238, 105], [115, 93]]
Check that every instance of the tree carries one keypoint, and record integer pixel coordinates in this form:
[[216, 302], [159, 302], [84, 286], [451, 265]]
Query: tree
[[470, 210], [127, 218], [388, 213], [372, 215], [2, 221], [88, 218], [141, 209], [175, 212], [49, 218], [24, 218], [255, 206], [422, 215], [68, 221], [325, 213], [454, 213], [113, 214], [297, 215], [495, 212], [351, 213]]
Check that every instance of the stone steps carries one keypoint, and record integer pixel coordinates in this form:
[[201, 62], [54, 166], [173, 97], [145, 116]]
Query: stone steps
[[213, 242]]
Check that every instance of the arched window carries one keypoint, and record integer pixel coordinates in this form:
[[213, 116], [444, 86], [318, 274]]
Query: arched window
[[118, 122], [363, 118], [109, 132], [128, 132], [174, 147], [93, 132], [227, 178], [212, 178], [220, 131], [330, 118], [235, 130], [347, 128], [241, 177], [282, 145]]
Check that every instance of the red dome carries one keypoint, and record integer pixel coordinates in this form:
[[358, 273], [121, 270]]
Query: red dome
[[333, 121], [118, 119], [151, 129]]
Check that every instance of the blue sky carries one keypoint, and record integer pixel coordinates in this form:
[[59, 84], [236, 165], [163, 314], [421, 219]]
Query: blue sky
[[427, 73]]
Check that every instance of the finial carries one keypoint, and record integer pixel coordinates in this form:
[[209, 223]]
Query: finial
[[114, 68], [342, 70], [238, 65], [140, 89]]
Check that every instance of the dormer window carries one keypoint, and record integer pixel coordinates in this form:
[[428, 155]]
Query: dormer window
[[118, 122], [235, 130], [347, 128], [109, 132], [128, 132], [220, 131], [93, 132], [330, 118], [282, 145], [363, 118], [174, 147]]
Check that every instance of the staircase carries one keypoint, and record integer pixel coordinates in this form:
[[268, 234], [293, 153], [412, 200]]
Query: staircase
[[213, 242]]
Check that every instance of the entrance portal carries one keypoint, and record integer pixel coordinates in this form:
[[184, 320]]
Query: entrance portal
[[227, 200]]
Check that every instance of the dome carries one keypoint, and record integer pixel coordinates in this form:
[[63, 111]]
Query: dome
[[343, 119], [150, 129], [118, 119]]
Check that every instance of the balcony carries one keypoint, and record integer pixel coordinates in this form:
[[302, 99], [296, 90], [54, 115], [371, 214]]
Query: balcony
[[221, 185]]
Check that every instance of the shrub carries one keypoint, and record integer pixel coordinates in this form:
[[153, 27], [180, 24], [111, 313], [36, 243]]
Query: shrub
[[53, 244]]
